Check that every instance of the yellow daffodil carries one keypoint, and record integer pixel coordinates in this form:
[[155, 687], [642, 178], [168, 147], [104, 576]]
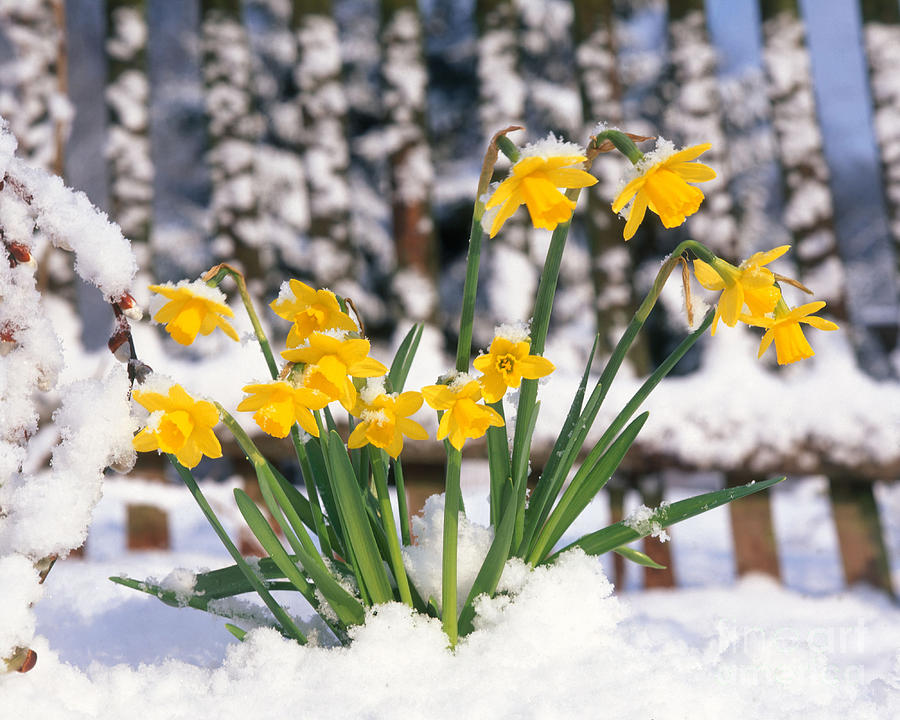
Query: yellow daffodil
[[331, 362], [505, 364], [384, 420], [463, 417], [193, 308], [750, 284], [785, 330], [662, 185], [178, 425], [310, 310], [534, 181], [279, 405]]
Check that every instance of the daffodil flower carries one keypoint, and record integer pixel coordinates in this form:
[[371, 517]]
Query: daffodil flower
[[193, 308], [661, 183], [785, 330], [310, 311], [534, 181], [505, 364], [331, 362], [178, 425], [463, 417], [751, 284], [279, 405], [384, 419]]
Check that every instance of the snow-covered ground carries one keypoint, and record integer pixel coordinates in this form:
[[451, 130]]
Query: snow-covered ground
[[716, 647]]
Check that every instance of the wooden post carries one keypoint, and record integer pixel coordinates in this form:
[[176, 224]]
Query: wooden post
[[863, 552], [148, 527], [616, 490], [422, 480], [755, 548], [661, 552]]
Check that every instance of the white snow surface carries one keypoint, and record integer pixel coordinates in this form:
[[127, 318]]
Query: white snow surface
[[750, 650]]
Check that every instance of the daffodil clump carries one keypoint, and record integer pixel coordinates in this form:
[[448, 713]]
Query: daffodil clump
[[350, 417]]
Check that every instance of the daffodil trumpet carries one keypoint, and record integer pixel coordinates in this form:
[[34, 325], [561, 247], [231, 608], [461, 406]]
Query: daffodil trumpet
[[663, 182], [783, 328], [749, 284]]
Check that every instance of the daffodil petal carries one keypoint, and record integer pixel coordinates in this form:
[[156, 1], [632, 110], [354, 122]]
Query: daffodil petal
[[688, 154], [627, 193], [636, 216], [708, 277]]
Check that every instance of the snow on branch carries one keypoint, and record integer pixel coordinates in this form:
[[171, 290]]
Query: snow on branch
[[46, 514]]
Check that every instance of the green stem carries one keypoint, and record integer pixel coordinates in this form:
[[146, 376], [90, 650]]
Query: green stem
[[467, 316], [508, 148], [258, 459], [402, 503], [376, 457], [643, 311], [623, 143], [473, 258], [451, 529], [315, 507], [289, 628], [223, 271]]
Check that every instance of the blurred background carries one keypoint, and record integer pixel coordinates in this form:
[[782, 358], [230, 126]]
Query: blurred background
[[339, 142]]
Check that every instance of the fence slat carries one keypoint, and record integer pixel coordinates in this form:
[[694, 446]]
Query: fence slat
[[661, 552], [863, 552], [147, 527], [755, 548]]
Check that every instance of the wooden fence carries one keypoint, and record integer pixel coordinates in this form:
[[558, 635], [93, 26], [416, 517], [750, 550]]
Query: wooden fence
[[860, 534]]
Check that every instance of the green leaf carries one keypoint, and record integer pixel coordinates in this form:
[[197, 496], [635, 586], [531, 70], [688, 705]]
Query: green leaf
[[492, 567], [498, 464], [582, 490], [344, 604], [565, 449], [645, 389], [525, 423], [636, 556], [301, 505], [561, 460], [613, 536], [236, 631], [404, 357], [359, 536], [288, 626], [212, 585], [316, 454], [402, 506]]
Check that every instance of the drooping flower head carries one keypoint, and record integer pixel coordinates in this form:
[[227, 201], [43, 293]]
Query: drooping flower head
[[785, 330], [178, 425], [660, 181], [384, 418], [193, 308], [507, 362], [463, 416], [280, 404], [330, 363], [534, 180], [310, 311], [751, 284]]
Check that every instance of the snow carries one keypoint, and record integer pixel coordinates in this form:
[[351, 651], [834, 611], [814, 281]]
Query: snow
[[752, 649], [514, 332], [552, 146], [646, 520]]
